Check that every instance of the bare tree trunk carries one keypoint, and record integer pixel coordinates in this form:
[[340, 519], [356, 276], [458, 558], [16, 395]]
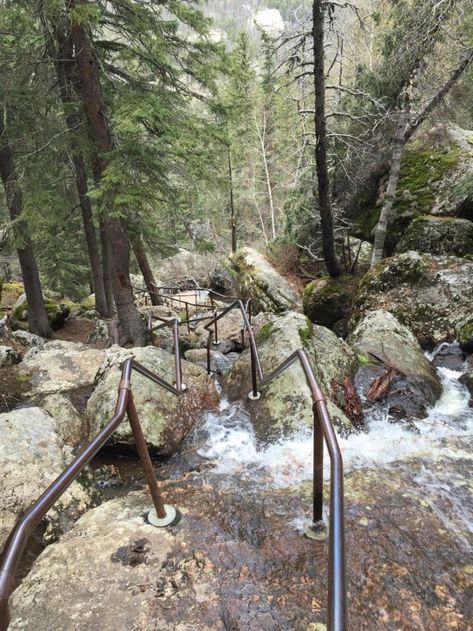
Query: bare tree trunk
[[146, 270], [63, 62], [386, 211], [132, 326], [37, 317], [107, 267], [321, 188], [262, 138]]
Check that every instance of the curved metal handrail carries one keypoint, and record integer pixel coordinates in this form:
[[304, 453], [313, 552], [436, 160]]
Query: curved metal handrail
[[323, 429], [18, 538]]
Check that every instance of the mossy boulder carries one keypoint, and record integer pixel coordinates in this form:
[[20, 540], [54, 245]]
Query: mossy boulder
[[285, 405], [386, 343], [166, 420], [258, 280], [438, 235], [464, 334], [429, 294], [57, 313], [432, 170], [327, 300]]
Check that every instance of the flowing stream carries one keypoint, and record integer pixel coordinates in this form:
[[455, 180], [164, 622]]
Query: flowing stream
[[231, 442]]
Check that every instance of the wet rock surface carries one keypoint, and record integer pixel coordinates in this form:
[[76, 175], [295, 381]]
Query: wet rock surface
[[237, 560], [382, 342], [286, 404]]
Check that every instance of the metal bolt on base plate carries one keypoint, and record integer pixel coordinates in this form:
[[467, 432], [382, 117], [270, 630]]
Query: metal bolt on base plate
[[254, 397], [172, 517], [317, 531]]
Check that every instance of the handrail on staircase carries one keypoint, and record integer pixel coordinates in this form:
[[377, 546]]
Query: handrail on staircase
[[164, 515]]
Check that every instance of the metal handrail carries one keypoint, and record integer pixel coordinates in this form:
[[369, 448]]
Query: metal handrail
[[323, 429], [18, 538]]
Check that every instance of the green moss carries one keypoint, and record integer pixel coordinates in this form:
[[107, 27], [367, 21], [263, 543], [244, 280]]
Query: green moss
[[363, 360], [306, 333], [366, 222], [465, 333], [265, 332]]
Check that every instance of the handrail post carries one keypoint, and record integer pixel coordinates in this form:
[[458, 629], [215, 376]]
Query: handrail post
[[254, 395], [163, 515], [187, 318], [177, 357], [209, 344], [216, 342], [318, 471]]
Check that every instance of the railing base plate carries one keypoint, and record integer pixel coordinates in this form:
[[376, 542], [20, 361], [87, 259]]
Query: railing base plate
[[172, 517], [254, 397], [317, 532]]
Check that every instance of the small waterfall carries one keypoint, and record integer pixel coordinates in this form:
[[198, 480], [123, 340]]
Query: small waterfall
[[229, 439]]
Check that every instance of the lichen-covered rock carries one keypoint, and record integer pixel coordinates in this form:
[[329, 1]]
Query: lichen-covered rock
[[166, 420], [25, 338], [464, 334], [429, 294], [383, 342], [438, 235], [258, 280], [69, 424], [61, 366], [286, 404], [187, 265], [101, 332], [327, 300], [32, 455], [9, 356]]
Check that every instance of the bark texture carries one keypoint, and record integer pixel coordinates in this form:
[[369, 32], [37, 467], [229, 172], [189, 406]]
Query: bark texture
[[321, 187], [386, 211], [147, 272], [132, 327], [37, 317]]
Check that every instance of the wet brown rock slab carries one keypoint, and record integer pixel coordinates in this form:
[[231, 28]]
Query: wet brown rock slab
[[237, 561]]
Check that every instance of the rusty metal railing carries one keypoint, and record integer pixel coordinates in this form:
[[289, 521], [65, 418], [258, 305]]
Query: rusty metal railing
[[162, 515], [323, 430]]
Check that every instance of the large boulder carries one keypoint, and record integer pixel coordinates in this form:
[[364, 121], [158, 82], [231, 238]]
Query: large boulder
[[286, 404], [328, 300], [431, 295], [258, 280], [382, 342], [61, 366], [32, 455], [165, 419], [188, 265], [69, 424], [438, 235]]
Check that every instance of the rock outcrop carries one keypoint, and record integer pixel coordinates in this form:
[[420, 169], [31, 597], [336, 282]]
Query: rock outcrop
[[9, 356], [382, 342], [438, 235], [429, 294], [258, 280], [61, 366], [165, 419], [328, 300], [285, 404], [32, 455]]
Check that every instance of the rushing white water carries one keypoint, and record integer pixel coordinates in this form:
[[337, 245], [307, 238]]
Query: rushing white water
[[230, 440]]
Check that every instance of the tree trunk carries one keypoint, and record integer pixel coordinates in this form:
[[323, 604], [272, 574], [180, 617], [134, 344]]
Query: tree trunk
[[37, 317], [321, 188], [385, 216], [62, 59], [232, 204], [146, 270], [107, 267], [131, 324]]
